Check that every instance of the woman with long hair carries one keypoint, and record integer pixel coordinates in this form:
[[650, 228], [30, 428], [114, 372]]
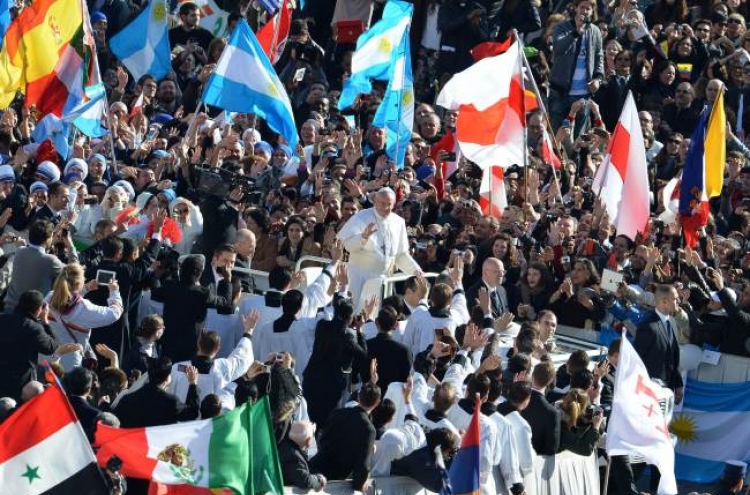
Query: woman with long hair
[[534, 291], [577, 302], [579, 432], [338, 352], [72, 317], [296, 244]]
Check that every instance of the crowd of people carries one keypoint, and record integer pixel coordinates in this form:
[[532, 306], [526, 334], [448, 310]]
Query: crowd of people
[[179, 201]]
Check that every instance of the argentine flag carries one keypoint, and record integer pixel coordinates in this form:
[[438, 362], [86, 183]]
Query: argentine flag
[[712, 428], [396, 112], [143, 45], [373, 57], [244, 81], [87, 116]]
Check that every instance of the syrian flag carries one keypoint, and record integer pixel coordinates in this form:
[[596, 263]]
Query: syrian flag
[[492, 197], [622, 179], [489, 97], [45, 451], [273, 35]]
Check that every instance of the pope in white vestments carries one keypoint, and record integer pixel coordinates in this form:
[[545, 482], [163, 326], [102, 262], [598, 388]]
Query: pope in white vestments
[[377, 243]]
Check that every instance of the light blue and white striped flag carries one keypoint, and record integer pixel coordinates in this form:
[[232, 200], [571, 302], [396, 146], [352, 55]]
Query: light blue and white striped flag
[[143, 45], [373, 58], [87, 116], [244, 81], [396, 112], [711, 428]]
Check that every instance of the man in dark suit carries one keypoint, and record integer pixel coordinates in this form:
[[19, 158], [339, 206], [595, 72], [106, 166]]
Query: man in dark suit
[[492, 279], [420, 465], [347, 441], [78, 383], [220, 269], [151, 405], [55, 208], [394, 358], [130, 275], [656, 342], [543, 417], [24, 334], [293, 458]]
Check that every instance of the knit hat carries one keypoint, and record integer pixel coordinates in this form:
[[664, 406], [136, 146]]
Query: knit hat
[[265, 147], [38, 186], [97, 157], [142, 200], [286, 149], [77, 164], [49, 171], [97, 16], [169, 194], [7, 174], [128, 187]]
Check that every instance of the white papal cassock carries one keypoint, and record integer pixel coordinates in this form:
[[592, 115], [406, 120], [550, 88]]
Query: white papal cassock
[[385, 251]]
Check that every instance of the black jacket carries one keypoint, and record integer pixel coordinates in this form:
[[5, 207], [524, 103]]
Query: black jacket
[[544, 420], [130, 278], [345, 445], [209, 281], [295, 468], [659, 351], [152, 406], [420, 466], [22, 339], [737, 330], [86, 413], [185, 309], [394, 359], [459, 35]]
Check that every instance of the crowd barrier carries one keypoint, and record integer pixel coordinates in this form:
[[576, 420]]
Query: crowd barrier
[[563, 474]]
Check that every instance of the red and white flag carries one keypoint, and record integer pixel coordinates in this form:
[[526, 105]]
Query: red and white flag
[[45, 451], [489, 98], [622, 178], [273, 42], [492, 196], [548, 151], [447, 143], [637, 424], [137, 105]]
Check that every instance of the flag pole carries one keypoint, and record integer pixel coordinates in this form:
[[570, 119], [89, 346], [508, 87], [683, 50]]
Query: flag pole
[[115, 168], [402, 51], [525, 130], [555, 143]]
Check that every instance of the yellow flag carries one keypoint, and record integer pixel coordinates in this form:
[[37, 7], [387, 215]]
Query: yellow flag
[[716, 148]]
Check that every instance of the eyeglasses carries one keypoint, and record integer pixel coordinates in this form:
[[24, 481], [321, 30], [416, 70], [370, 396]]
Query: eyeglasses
[[181, 211], [703, 30], [735, 21]]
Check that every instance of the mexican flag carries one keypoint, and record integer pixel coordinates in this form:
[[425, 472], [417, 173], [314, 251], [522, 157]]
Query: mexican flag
[[236, 451]]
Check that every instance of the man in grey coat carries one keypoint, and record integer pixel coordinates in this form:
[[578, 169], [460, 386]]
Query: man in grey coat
[[33, 267], [578, 61]]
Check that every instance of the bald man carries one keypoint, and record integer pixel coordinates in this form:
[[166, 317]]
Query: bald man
[[244, 246], [377, 243], [493, 272]]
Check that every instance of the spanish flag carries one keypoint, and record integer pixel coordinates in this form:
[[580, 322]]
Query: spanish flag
[[39, 57]]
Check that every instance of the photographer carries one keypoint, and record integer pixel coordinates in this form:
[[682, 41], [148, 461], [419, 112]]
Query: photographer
[[581, 422], [221, 220]]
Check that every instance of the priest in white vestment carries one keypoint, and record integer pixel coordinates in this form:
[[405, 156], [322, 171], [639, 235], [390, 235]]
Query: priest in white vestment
[[377, 243]]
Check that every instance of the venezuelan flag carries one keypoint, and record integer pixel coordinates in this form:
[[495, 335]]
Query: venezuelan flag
[[464, 471], [36, 55]]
